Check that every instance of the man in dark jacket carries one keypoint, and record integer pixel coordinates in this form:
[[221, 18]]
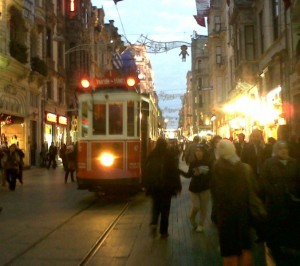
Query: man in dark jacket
[[253, 153], [240, 145], [161, 181]]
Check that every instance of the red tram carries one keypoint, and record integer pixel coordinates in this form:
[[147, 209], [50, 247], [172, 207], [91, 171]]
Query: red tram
[[116, 126]]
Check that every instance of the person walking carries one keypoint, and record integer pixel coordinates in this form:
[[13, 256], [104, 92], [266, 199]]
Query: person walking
[[70, 163], [43, 155], [232, 182], [253, 152], [280, 179], [199, 173], [189, 154], [212, 156], [62, 155], [240, 144], [268, 150], [161, 182], [52, 156], [10, 162]]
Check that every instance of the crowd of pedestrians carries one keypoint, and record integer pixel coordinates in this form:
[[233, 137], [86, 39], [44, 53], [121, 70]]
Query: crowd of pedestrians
[[12, 162], [67, 154], [254, 187]]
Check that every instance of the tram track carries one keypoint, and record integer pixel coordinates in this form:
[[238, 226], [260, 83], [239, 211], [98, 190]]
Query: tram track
[[95, 246], [102, 238], [44, 237]]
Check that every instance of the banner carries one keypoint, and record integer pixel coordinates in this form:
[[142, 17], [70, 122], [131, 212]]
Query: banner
[[202, 7], [200, 20], [166, 97]]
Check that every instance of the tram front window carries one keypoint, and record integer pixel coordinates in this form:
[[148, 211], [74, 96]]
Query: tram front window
[[115, 119], [99, 119]]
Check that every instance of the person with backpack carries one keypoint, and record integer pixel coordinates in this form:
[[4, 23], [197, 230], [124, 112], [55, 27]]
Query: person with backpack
[[11, 163], [161, 181]]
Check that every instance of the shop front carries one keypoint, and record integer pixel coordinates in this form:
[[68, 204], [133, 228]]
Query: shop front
[[246, 113], [55, 129], [12, 130]]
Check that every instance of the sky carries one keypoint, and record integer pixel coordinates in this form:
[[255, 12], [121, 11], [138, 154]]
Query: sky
[[161, 21]]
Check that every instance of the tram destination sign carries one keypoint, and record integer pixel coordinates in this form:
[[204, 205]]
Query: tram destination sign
[[110, 82]]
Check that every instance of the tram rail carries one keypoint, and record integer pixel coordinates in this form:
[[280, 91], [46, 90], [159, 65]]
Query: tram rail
[[102, 238], [68, 222]]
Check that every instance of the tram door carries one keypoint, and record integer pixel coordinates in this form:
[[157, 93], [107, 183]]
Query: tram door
[[144, 132]]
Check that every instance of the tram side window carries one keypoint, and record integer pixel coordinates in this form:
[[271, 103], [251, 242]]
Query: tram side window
[[99, 119], [84, 119], [130, 119], [115, 119]]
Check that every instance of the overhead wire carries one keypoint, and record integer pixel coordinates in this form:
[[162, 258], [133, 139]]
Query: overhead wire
[[124, 35]]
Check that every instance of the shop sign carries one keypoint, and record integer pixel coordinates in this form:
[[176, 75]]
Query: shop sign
[[62, 120], [56, 119], [52, 118]]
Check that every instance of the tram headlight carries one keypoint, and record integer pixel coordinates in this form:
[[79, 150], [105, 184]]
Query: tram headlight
[[130, 81], [106, 159], [85, 83]]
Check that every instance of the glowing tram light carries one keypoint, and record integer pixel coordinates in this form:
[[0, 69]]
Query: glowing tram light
[[130, 81], [106, 159], [85, 83]]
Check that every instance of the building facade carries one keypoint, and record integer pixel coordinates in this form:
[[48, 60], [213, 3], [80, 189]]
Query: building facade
[[254, 67]]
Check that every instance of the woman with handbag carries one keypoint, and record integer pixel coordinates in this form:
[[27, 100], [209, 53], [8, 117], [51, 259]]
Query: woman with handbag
[[232, 190], [199, 173]]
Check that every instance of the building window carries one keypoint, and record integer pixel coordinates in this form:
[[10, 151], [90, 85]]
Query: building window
[[200, 82], [61, 95], [199, 65], [217, 20], [59, 7], [261, 32], [238, 47], [49, 90], [33, 100], [49, 43], [218, 55], [220, 90], [249, 42], [200, 101], [60, 54], [275, 14]]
